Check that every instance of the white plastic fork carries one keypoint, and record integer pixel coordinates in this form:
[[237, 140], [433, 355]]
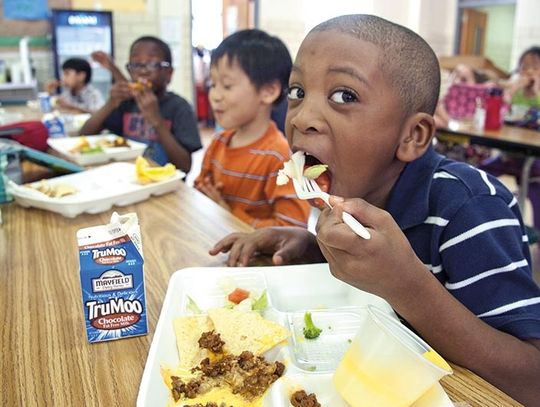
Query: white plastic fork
[[308, 189]]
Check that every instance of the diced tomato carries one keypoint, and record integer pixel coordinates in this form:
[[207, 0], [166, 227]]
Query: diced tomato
[[238, 295]]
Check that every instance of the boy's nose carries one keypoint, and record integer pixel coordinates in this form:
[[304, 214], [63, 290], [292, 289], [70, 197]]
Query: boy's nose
[[306, 118]]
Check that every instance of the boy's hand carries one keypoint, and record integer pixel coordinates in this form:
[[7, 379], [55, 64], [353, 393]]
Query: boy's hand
[[284, 243], [119, 92], [103, 59], [51, 86], [382, 265], [148, 105], [212, 191]]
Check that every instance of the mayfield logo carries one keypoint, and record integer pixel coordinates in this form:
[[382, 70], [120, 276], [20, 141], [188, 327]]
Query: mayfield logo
[[114, 314], [112, 255], [112, 280]]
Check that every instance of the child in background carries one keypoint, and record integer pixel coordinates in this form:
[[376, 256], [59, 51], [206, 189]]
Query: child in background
[[77, 92], [523, 92], [143, 110], [448, 248], [249, 72]]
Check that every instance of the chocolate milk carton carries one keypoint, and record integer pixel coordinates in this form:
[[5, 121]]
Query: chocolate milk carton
[[112, 279]]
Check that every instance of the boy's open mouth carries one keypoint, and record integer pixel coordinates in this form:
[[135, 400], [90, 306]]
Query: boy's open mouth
[[324, 180]]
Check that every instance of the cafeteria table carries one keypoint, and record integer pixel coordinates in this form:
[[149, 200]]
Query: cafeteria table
[[45, 357], [509, 138]]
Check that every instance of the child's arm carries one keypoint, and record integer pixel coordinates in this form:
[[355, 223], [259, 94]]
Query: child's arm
[[106, 61], [285, 244], [387, 266], [149, 107], [51, 86]]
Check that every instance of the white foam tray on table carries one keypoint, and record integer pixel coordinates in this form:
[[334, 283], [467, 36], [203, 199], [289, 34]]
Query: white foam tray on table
[[291, 291], [98, 189], [64, 145]]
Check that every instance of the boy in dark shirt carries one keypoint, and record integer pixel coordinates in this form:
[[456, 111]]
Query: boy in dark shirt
[[448, 247], [143, 110]]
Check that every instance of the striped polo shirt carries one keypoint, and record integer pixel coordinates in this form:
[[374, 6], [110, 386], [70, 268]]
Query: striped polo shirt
[[467, 229], [248, 178]]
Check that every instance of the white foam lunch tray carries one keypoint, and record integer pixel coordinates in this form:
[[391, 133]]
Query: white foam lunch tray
[[63, 145], [98, 188], [292, 290]]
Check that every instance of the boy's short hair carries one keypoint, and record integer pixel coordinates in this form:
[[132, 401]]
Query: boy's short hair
[[407, 59], [162, 45], [264, 58], [79, 65]]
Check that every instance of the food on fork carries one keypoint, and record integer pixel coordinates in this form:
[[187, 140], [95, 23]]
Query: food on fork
[[295, 169], [147, 174]]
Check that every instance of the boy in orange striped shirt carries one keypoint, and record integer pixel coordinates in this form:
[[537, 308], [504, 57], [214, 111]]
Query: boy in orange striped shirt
[[249, 72]]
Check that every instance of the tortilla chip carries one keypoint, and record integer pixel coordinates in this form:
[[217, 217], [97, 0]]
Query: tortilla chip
[[188, 330], [249, 331]]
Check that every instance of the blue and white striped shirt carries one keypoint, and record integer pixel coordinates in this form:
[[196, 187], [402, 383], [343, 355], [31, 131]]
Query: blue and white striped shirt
[[476, 243]]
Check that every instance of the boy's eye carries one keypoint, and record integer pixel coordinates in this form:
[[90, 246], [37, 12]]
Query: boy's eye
[[295, 93], [343, 96]]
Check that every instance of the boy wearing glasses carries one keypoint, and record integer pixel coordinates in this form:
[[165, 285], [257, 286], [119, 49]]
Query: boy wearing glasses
[[145, 111]]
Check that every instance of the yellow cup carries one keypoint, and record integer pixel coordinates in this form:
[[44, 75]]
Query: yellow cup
[[387, 365]]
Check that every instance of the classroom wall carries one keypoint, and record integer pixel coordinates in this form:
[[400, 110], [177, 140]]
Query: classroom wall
[[526, 27], [163, 18], [499, 32], [435, 21]]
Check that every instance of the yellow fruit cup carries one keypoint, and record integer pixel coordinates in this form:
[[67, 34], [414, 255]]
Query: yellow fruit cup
[[387, 365]]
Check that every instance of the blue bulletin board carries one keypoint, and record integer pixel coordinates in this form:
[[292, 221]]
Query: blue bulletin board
[[25, 9]]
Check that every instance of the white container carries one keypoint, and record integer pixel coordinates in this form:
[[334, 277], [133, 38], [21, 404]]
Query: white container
[[387, 365], [64, 145], [98, 189], [291, 291]]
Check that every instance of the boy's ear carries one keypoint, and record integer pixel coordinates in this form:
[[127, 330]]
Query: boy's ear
[[416, 137], [270, 92]]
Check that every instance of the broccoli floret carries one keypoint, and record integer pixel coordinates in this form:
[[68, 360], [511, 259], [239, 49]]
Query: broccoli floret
[[310, 330]]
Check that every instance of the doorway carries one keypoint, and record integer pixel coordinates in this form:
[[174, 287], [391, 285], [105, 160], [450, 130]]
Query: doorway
[[486, 28]]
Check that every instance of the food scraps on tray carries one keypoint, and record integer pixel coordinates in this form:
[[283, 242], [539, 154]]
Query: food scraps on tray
[[301, 399], [85, 146], [310, 330], [56, 190], [221, 358]]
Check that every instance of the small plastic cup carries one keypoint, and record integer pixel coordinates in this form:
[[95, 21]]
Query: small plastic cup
[[387, 364]]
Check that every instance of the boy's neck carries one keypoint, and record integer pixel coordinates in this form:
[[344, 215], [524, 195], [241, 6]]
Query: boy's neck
[[252, 131]]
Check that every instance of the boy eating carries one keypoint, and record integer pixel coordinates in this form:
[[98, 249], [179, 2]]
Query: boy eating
[[249, 72], [77, 93], [143, 110], [448, 248]]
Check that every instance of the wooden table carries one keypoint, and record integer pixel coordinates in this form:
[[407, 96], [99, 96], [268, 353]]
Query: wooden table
[[508, 138], [45, 357]]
